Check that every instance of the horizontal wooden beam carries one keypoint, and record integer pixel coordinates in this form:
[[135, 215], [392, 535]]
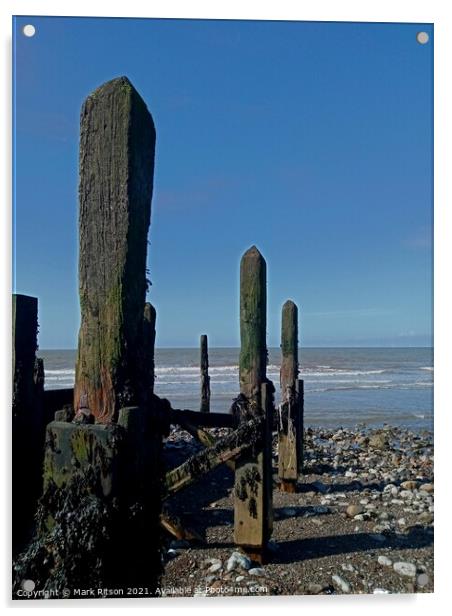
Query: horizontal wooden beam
[[203, 437], [247, 435]]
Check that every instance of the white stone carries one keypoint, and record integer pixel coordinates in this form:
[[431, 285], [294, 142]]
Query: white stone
[[404, 568], [384, 561], [342, 584], [258, 571], [214, 568], [381, 591], [237, 559]]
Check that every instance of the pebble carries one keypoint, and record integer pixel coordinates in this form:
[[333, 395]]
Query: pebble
[[378, 441], [409, 485], [341, 584], [384, 561], [172, 552], [427, 487], [258, 571], [381, 591], [215, 567], [317, 522], [426, 517], [237, 559], [239, 578], [422, 580], [404, 568], [353, 510], [315, 589]]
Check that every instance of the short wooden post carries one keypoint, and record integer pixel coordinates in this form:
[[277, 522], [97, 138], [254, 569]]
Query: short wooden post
[[117, 143], [288, 420], [150, 317], [300, 429], [252, 491], [205, 379]]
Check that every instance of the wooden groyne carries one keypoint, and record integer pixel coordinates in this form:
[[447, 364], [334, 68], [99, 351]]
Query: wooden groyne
[[99, 518]]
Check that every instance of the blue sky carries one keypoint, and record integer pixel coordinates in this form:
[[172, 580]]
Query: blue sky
[[311, 140]]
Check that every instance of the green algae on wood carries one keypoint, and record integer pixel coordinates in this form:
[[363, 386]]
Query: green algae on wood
[[253, 486], [289, 417], [253, 324], [117, 147]]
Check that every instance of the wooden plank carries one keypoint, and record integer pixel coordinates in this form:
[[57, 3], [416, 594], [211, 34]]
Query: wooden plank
[[205, 379], [117, 143], [248, 434], [203, 437]]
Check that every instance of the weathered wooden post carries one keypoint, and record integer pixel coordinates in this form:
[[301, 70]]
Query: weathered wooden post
[[289, 433], [27, 419], [117, 142], [253, 494], [205, 379], [102, 481], [150, 317], [253, 325]]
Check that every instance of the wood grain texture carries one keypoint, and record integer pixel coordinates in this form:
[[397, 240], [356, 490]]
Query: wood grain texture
[[117, 145]]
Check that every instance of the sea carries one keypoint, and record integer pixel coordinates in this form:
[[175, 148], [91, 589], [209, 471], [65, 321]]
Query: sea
[[343, 386]]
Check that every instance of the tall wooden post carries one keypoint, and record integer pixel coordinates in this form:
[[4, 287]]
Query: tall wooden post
[[117, 466], [253, 325], [27, 419], [117, 143], [289, 411], [205, 379], [252, 493]]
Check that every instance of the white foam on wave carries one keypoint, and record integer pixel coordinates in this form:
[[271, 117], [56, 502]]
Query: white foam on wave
[[70, 371], [339, 372], [429, 368]]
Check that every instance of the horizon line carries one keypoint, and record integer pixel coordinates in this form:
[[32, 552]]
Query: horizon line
[[372, 346]]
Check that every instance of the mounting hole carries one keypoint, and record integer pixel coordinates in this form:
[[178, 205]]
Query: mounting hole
[[422, 38], [28, 585], [29, 30]]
